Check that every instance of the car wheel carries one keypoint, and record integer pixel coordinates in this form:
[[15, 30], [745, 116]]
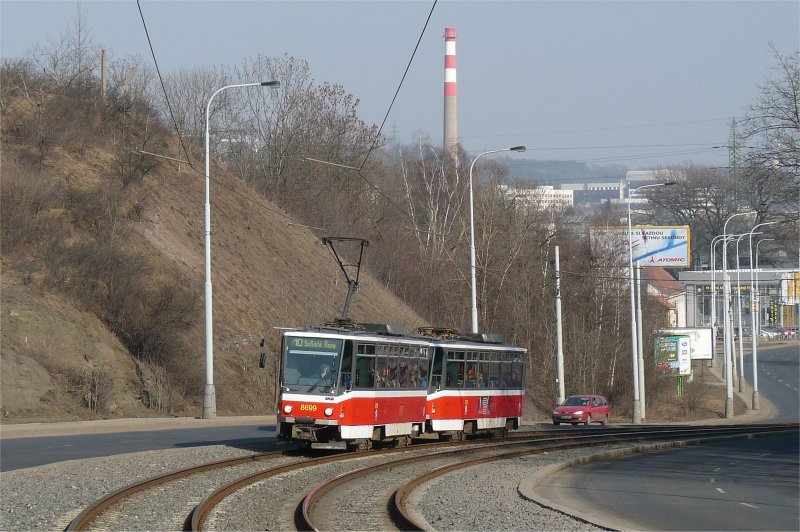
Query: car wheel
[[588, 419], [605, 420]]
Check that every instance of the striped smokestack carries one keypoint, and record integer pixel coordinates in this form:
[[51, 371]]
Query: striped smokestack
[[450, 109]]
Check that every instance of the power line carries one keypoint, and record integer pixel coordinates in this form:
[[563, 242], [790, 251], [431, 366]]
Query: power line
[[163, 88], [408, 66]]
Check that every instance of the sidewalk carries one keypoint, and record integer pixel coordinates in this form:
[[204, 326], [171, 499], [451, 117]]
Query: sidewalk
[[26, 430], [766, 409]]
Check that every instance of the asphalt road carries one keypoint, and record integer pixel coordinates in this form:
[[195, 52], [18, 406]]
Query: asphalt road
[[740, 485], [778, 378], [18, 453], [734, 485]]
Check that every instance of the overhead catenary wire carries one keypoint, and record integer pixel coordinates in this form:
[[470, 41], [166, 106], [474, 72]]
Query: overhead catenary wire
[[399, 85], [163, 87]]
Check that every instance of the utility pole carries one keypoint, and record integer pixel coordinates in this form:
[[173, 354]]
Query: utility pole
[[640, 354], [559, 341], [102, 76]]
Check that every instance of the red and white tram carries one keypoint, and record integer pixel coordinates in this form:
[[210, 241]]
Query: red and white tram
[[351, 387], [477, 385]]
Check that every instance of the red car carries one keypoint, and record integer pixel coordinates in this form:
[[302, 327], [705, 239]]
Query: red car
[[584, 409]]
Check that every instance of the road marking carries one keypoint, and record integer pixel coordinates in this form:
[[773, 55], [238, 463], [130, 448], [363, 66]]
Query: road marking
[[720, 490], [749, 505], [713, 480], [717, 469]]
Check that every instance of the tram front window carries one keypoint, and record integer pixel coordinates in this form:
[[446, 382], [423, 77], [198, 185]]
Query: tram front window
[[311, 361]]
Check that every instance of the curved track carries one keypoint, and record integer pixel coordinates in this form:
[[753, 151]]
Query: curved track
[[384, 508]]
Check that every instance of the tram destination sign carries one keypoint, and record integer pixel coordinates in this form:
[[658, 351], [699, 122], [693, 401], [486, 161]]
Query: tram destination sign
[[653, 246]]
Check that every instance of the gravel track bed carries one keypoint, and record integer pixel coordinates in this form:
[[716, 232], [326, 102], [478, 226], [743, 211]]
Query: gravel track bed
[[270, 504], [49, 497], [487, 497]]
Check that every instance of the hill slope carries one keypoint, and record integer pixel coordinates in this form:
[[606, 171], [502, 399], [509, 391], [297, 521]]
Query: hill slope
[[59, 359]]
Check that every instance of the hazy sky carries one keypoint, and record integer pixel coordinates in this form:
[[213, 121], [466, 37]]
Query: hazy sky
[[634, 83]]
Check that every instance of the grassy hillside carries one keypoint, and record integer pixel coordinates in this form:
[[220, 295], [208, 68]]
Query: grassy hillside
[[103, 273]]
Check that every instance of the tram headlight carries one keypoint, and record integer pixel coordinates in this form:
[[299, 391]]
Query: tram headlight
[[329, 411], [287, 409]]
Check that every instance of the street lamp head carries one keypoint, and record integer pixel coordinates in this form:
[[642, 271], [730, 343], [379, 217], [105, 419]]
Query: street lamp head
[[270, 83], [518, 148], [669, 183]]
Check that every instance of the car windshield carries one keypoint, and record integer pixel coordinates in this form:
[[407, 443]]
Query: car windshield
[[576, 401]]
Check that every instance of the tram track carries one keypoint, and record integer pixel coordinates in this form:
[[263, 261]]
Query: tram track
[[276, 484], [403, 518]]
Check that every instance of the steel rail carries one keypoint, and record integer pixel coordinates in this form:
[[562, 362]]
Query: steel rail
[[199, 515], [85, 518], [303, 517]]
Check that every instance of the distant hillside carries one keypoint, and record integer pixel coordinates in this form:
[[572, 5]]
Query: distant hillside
[[103, 275]]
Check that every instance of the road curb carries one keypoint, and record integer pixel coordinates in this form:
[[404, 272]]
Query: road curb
[[102, 426], [527, 488]]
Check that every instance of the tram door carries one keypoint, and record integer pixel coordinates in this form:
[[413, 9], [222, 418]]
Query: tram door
[[436, 370], [346, 371]]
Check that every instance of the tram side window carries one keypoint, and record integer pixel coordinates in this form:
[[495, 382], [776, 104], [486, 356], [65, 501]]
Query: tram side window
[[505, 370], [422, 373], [365, 370], [516, 373], [455, 374], [381, 370]]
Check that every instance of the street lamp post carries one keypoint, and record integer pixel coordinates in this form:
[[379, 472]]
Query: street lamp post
[[726, 334], [739, 309], [638, 376], [209, 395], [714, 242], [756, 402], [473, 286]]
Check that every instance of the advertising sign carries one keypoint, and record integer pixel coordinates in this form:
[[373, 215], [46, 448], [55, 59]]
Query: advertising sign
[[661, 246], [702, 340], [790, 288], [673, 355]]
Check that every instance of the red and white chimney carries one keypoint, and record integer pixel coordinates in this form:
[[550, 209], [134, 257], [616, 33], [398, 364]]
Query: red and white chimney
[[450, 109]]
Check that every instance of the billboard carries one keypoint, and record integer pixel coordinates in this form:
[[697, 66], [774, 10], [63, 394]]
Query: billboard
[[661, 246], [790, 288], [702, 340], [673, 355]]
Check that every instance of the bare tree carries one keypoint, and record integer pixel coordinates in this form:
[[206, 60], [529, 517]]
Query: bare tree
[[69, 60], [774, 120]]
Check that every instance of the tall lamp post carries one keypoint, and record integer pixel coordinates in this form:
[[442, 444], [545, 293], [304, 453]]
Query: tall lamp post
[[714, 241], [758, 289], [756, 404], [210, 396], [638, 372], [473, 287], [727, 333]]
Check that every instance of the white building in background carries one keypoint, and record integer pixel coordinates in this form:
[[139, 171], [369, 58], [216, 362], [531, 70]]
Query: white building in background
[[542, 197]]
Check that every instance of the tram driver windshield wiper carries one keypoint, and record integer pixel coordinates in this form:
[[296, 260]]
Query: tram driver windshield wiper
[[328, 376]]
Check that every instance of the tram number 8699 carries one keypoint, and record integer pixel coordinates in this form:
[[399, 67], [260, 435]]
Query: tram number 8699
[[308, 408]]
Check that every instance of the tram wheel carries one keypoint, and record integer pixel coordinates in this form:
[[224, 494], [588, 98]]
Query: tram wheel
[[457, 436], [402, 441], [360, 446]]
